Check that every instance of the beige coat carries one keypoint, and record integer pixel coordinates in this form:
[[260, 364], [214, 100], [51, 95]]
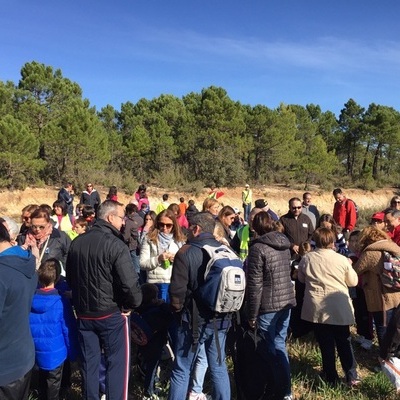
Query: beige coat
[[369, 266], [327, 276]]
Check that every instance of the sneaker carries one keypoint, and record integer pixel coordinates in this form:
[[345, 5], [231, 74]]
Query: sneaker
[[366, 344], [197, 396], [289, 397], [151, 397], [359, 339], [354, 383]]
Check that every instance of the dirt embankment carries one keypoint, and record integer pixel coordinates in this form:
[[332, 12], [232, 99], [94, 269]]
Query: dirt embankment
[[11, 203]]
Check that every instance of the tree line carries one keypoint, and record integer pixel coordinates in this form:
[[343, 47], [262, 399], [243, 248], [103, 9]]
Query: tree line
[[49, 133]]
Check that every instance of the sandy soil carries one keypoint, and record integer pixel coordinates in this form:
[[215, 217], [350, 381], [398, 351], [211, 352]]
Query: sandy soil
[[11, 202]]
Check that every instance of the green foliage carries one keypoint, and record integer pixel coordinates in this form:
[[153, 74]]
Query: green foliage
[[202, 137], [75, 144], [19, 165]]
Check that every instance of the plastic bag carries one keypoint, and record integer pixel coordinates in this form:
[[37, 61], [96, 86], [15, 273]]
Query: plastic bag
[[391, 368]]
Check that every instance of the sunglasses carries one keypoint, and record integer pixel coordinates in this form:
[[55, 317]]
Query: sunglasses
[[162, 225], [396, 202], [38, 227], [296, 208], [26, 218]]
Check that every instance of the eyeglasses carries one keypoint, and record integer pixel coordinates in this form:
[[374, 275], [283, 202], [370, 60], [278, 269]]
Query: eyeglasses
[[38, 227], [122, 218], [377, 221], [162, 225], [296, 208], [396, 202], [26, 218]]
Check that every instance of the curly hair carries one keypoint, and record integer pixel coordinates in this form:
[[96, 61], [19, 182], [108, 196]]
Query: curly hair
[[371, 234]]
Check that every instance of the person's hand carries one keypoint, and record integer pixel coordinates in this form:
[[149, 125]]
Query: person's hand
[[163, 256], [171, 257], [295, 248]]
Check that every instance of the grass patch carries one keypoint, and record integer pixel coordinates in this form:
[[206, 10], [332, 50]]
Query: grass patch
[[305, 361]]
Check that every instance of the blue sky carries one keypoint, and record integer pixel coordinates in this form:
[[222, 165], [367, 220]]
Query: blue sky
[[262, 52]]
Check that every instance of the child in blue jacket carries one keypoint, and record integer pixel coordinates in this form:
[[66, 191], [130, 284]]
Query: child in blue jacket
[[53, 327]]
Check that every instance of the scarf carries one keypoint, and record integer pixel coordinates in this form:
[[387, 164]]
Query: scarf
[[164, 240], [35, 242]]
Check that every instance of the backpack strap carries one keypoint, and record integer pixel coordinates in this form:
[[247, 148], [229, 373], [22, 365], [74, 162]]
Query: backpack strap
[[195, 326]]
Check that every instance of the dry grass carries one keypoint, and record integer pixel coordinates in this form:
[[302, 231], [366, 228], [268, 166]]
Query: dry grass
[[11, 203]]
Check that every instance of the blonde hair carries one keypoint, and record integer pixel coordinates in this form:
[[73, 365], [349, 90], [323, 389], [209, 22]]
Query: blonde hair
[[208, 203]]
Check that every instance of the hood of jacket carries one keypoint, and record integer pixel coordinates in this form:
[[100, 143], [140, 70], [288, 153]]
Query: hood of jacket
[[44, 300], [276, 240], [384, 245], [20, 260]]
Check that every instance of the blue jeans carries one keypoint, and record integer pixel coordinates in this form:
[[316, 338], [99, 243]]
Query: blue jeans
[[200, 369], [185, 358], [246, 211], [163, 291], [380, 324], [273, 328]]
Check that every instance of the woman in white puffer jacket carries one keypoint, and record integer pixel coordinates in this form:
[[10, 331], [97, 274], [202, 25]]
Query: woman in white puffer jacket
[[158, 251]]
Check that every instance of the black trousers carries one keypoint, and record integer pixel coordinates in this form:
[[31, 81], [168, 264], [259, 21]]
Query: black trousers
[[331, 338], [50, 383], [17, 390]]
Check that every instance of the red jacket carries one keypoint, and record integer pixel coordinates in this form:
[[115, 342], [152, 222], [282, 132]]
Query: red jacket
[[345, 214], [395, 235]]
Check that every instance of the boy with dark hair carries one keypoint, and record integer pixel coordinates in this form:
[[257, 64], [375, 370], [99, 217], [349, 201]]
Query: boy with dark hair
[[191, 211], [52, 325], [89, 214]]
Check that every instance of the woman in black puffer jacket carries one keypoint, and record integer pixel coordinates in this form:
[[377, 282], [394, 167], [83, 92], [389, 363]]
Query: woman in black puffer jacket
[[270, 296]]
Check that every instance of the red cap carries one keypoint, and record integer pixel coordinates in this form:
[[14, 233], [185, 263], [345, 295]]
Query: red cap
[[379, 216]]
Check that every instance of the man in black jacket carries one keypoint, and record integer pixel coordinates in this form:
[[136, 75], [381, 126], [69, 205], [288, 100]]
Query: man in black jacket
[[90, 197], [66, 194], [298, 226], [187, 276], [104, 290]]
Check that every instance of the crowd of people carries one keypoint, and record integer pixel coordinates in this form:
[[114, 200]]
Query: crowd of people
[[70, 280]]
